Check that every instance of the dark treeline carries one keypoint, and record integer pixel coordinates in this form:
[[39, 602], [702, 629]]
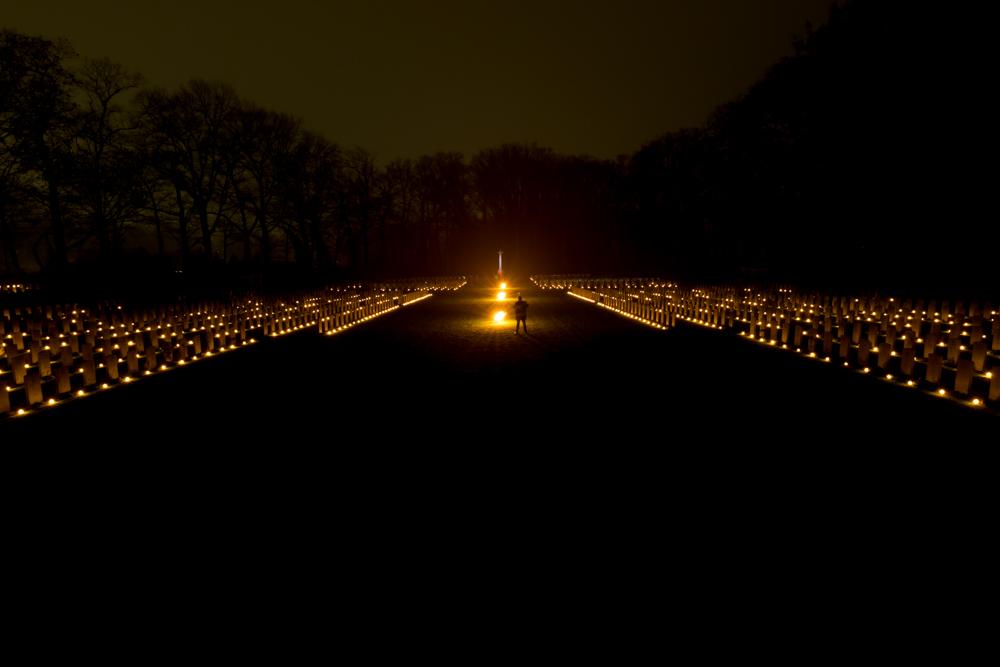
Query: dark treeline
[[849, 164], [839, 168]]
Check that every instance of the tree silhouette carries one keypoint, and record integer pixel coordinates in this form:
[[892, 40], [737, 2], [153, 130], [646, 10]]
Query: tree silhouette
[[109, 160]]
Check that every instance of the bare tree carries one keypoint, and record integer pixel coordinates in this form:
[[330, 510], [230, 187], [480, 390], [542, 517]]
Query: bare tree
[[360, 165], [266, 142], [314, 186], [40, 122], [195, 132], [109, 160]]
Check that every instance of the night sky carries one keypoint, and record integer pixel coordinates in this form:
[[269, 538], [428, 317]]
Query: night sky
[[403, 79]]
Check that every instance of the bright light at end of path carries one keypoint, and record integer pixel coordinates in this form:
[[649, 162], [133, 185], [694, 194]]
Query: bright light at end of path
[[501, 295], [503, 285], [499, 316]]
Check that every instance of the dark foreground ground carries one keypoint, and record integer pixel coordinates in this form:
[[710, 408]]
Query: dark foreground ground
[[435, 457]]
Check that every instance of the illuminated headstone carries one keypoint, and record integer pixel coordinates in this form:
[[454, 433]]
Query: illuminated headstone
[[953, 349], [111, 365], [906, 361], [132, 359], [864, 349], [62, 379], [89, 372], [45, 363], [33, 386], [19, 366], [890, 334], [979, 356], [964, 376], [883, 356], [929, 344], [934, 365]]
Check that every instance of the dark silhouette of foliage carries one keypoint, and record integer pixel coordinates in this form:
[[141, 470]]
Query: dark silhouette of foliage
[[849, 164]]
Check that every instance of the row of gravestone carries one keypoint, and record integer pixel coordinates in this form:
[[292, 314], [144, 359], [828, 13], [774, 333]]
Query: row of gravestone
[[436, 284], [649, 310], [330, 318], [47, 358], [59, 377], [947, 348], [955, 355], [783, 296]]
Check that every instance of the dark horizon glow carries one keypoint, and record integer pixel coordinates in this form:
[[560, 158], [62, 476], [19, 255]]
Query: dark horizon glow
[[402, 79]]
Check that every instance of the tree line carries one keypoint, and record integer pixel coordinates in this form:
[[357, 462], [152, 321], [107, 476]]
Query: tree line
[[830, 169]]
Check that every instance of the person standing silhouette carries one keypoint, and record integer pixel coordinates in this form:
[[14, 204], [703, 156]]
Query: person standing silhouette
[[521, 313]]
